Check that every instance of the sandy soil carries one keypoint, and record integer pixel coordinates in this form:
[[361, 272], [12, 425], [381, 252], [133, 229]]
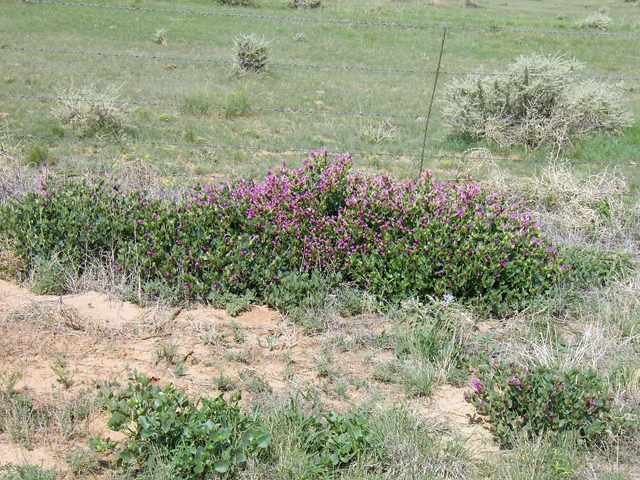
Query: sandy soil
[[99, 338]]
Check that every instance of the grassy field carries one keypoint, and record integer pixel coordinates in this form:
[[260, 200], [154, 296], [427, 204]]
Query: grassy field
[[132, 312], [325, 92]]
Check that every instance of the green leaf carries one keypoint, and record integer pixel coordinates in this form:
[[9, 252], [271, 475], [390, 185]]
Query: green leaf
[[221, 466]]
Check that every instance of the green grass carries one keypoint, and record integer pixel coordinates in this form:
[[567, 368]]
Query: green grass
[[321, 90]]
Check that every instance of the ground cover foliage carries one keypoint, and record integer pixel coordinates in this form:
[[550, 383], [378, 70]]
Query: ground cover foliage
[[398, 240]]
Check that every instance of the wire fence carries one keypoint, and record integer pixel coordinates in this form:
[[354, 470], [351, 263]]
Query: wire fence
[[427, 116]]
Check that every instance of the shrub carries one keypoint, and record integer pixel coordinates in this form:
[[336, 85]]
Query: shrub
[[251, 54], [297, 234], [305, 4], [537, 103], [90, 112], [203, 437], [543, 399]]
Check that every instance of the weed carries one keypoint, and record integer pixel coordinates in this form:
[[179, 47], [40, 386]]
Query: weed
[[239, 356], [224, 383], [83, 462], [61, 368], [9, 379], [233, 304], [237, 331], [26, 472], [325, 366], [159, 36], [381, 132], [236, 3], [254, 383], [39, 156], [251, 53], [50, 276], [167, 353], [239, 101]]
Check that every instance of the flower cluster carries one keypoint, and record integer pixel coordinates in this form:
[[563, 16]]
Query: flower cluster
[[395, 239]]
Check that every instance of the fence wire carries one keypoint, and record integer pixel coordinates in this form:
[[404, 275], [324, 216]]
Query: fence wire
[[313, 66], [290, 110], [305, 152], [335, 21]]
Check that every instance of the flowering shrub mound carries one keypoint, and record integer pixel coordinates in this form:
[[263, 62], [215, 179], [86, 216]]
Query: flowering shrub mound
[[397, 240], [543, 399]]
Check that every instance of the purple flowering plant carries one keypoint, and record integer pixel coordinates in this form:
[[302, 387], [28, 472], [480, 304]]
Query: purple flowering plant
[[542, 399], [395, 239]]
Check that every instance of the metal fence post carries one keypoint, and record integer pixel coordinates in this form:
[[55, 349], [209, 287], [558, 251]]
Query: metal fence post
[[433, 95]]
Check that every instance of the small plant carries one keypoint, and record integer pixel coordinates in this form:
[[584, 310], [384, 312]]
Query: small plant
[[251, 54], [61, 368], [598, 20], [224, 383], [472, 3], [305, 4], [238, 332], [351, 302], [83, 462], [159, 36], [39, 155], [382, 132], [239, 356], [9, 379], [254, 383], [233, 304], [326, 367], [202, 438], [541, 400], [91, 112], [167, 353], [300, 37], [49, 276]]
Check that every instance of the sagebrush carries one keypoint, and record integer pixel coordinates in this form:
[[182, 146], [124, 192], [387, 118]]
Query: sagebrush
[[538, 102]]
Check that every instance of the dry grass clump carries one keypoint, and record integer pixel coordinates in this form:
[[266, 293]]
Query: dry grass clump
[[537, 103], [305, 4], [598, 20], [381, 132], [91, 112], [596, 209]]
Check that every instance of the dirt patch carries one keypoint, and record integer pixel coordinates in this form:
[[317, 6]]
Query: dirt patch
[[72, 345]]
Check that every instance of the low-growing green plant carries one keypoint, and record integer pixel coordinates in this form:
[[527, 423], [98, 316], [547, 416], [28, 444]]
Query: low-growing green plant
[[167, 353], [26, 472], [233, 304], [542, 399], [39, 155], [593, 266], [332, 441], [202, 437], [224, 383], [251, 53], [254, 383], [50, 276], [83, 462]]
